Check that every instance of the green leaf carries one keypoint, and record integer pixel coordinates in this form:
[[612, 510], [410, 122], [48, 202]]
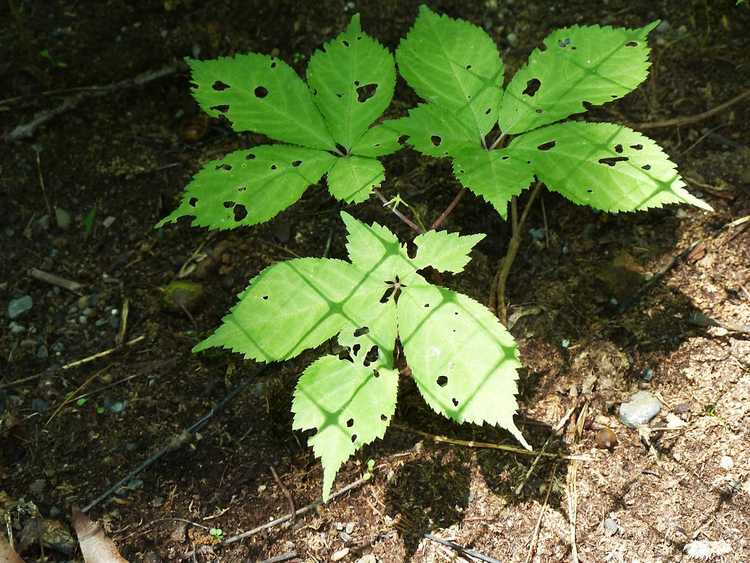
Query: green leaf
[[455, 65], [603, 165], [262, 94], [495, 175], [580, 64], [463, 361], [378, 141], [352, 79], [353, 178], [247, 187], [435, 132], [349, 405], [444, 251]]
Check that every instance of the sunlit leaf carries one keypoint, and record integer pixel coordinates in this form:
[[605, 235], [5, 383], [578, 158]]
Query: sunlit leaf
[[435, 132], [353, 178], [444, 251]]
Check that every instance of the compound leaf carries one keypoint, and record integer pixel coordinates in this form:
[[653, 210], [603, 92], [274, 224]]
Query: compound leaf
[[352, 79], [435, 132], [247, 187], [463, 361], [349, 405], [379, 140], [455, 65], [603, 165], [444, 251], [579, 65], [353, 178], [495, 175], [262, 94]]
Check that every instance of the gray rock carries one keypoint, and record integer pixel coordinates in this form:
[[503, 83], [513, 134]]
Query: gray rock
[[640, 409], [512, 39], [42, 353], [611, 527], [63, 218], [16, 328], [17, 307]]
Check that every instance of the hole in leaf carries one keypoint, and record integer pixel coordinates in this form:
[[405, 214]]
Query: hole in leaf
[[589, 190], [366, 92], [587, 105], [223, 108], [350, 423], [224, 166], [646, 167], [455, 402], [383, 418], [637, 147], [564, 42], [371, 356], [296, 163], [468, 67], [274, 167], [547, 146], [338, 95], [261, 92], [219, 86], [341, 148], [442, 381], [193, 201], [426, 305], [402, 139], [618, 149], [455, 313], [539, 110], [250, 156], [506, 157], [376, 373], [361, 331], [355, 349], [228, 204], [354, 438], [264, 297], [242, 188], [532, 86], [345, 42], [240, 212], [631, 44], [387, 295], [356, 82], [612, 160], [273, 64], [436, 140], [487, 111], [345, 355]]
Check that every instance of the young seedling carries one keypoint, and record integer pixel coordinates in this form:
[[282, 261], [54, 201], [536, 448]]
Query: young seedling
[[462, 359], [324, 127], [469, 117]]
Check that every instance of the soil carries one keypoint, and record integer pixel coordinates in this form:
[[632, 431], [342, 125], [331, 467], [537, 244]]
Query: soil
[[118, 162]]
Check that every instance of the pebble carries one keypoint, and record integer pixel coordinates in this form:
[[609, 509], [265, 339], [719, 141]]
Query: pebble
[[83, 302], [340, 554], [606, 439], [17, 307], [108, 222], [640, 409], [63, 218], [369, 558], [16, 328], [611, 527], [726, 462], [42, 353]]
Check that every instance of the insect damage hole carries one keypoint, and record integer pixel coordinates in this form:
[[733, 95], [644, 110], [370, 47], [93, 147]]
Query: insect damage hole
[[442, 381], [240, 212], [532, 87], [219, 86], [224, 166], [455, 402], [547, 146], [250, 156], [361, 331], [350, 423], [366, 91], [371, 356], [260, 92], [646, 167], [228, 204], [631, 44], [618, 149], [436, 140], [354, 438], [383, 418], [222, 108], [612, 160]]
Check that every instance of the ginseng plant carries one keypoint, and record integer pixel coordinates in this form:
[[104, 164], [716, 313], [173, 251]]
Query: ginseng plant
[[462, 359], [503, 139]]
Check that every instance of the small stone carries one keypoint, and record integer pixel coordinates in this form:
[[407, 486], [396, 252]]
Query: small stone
[[640, 409], [58, 347], [340, 554], [682, 408], [17, 307], [647, 375], [512, 39], [182, 295], [43, 222], [606, 439], [349, 527], [108, 221], [63, 218], [83, 302], [369, 558], [16, 328], [726, 462], [42, 353], [88, 311], [611, 527]]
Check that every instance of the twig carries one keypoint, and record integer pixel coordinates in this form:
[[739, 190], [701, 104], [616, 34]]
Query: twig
[[178, 440], [689, 120], [486, 445], [538, 527], [513, 246], [448, 210], [54, 279], [28, 128], [414, 227], [273, 523], [41, 183], [573, 510], [72, 395], [462, 550], [120, 338], [98, 355], [279, 558], [284, 490]]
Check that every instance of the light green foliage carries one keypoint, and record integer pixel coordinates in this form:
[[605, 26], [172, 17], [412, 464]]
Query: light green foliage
[[325, 122], [452, 65], [463, 360], [603, 165]]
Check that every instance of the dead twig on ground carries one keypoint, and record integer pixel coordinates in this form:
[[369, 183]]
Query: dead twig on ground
[[41, 183], [120, 338], [538, 526], [27, 129], [690, 119], [56, 280], [284, 490], [462, 550], [178, 440]]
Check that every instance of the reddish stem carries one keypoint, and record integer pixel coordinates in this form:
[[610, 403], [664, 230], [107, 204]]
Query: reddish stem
[[448, 210]]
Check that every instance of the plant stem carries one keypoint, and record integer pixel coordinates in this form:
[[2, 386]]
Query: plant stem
[[414, 227], [513, 246], [448, 210]]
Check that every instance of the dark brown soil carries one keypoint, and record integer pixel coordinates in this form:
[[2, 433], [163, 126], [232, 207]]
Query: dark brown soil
[[128, 154]]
